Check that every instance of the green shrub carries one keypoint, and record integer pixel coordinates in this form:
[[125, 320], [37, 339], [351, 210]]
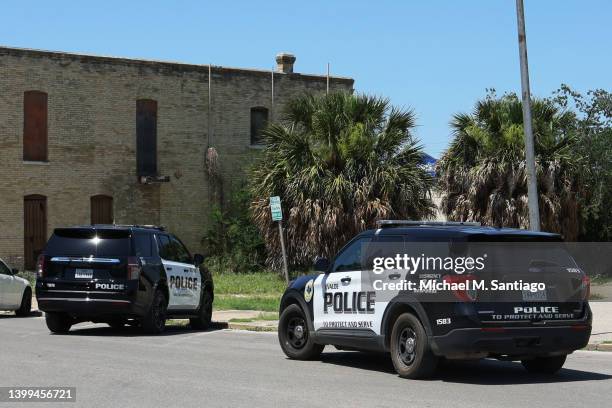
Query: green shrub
[[232, 243]]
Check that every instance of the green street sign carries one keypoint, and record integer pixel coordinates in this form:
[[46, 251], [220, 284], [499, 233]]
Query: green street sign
[[275, 208]]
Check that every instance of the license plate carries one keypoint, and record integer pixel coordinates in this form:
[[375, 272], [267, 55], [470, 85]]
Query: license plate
[[538, 296], [83, 274]]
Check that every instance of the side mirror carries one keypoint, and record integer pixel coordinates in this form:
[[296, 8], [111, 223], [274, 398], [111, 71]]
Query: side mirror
[[15, 271], [198, 259], [321, 264]]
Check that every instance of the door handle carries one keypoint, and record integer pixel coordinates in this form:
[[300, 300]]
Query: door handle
[[346, 279], [168, 268], [185, 270], [394, 276]]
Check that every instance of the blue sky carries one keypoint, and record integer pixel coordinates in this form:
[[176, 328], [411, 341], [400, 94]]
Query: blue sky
[[436, 57]]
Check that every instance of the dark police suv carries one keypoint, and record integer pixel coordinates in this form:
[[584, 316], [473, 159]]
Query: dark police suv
[[121, 275], [524, 298]]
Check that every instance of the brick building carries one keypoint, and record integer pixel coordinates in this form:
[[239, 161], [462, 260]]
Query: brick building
[[89, 139]]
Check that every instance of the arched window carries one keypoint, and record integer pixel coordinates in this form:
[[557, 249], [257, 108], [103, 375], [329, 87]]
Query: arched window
[[259, 120], [101, 209], [34, 126], [146, 137]]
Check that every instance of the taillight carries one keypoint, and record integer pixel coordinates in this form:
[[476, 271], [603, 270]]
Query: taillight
[[40, 266], [586, 287], [133, 268], [465, 295]]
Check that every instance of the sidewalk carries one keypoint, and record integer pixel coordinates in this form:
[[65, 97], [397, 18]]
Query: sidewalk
[[224, 318], [602, 326]]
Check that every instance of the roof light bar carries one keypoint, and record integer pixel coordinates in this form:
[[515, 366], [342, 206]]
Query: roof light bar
[[412, 223]]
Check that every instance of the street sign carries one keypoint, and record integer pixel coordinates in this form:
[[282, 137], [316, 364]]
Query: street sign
[[275, 208], [277, 215]]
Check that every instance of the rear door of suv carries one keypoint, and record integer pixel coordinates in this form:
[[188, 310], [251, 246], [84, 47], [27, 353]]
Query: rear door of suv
[[184, 280], [529, 260], [82, 259]]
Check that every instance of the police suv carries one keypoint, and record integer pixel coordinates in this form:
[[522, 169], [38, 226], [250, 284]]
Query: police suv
[[138, 275], [527, 300]]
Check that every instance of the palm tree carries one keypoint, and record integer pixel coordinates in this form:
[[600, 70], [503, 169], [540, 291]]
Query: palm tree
[[339, 162], [482, 174]]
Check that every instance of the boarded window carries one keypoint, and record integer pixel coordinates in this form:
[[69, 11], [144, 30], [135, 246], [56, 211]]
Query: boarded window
[[35, 228], [259, 120], [34, 126], [146, 137], [101, 209]]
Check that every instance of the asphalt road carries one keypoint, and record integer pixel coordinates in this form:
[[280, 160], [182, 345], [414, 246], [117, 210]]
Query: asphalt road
[[225, 368]]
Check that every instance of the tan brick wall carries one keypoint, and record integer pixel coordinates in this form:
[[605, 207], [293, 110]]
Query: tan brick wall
[[92, 137]]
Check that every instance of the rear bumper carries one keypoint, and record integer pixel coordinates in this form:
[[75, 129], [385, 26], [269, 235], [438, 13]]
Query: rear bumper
[[512, 341], [87, 307], [89, 304]]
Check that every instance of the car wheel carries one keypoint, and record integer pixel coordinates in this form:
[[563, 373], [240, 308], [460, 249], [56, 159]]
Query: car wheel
[[155, 320], [410, 351], [294, 337], [544, 365], [59, 323], [26, 303], [202, 322]]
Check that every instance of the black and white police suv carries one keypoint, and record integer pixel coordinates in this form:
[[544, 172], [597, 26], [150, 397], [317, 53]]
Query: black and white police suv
[[121, 275], [509, 307]]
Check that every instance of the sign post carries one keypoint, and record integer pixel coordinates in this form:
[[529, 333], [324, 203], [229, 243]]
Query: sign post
[[277, 215]]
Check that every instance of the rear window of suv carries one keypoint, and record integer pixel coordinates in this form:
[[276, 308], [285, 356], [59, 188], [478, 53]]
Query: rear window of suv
[[89, 242]]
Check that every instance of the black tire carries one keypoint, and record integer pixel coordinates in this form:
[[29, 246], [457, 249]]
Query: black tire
[[155, 320], [295, 337], [202, 322], [410, 351], [544, 365], [26, 303], [59, 323]]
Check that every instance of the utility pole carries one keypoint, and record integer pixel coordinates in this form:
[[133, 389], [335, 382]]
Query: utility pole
[[327, 81], [532, 181]]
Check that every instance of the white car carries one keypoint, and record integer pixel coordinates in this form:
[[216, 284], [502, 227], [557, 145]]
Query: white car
[[15, 292]]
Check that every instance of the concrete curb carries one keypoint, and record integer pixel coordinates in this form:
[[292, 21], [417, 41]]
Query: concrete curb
[[598, 347], [251, 327]]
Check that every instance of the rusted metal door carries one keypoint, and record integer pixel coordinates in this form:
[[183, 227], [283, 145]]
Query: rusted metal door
[[35, 228], [101, 209], [34, 126]]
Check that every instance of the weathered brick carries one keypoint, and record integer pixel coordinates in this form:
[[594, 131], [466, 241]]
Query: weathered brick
[[92, 137]]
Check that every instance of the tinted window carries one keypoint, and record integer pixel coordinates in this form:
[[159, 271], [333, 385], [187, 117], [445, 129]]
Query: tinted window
[[89, 242], [163, 246], [4, 270], [350, 258], [182, 255], [143, 245], [172, 249], [384, 246]]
